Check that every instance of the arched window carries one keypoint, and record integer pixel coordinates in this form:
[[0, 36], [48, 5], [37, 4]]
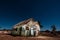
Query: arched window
[[20, 28]]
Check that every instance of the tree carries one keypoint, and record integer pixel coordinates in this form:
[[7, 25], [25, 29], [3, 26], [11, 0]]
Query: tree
[[41, 26], [53, 28]]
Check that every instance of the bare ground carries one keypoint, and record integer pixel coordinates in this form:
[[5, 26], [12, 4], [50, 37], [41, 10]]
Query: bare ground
[[8, 37]]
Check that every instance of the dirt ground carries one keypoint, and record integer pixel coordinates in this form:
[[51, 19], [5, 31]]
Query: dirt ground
[[8, 37]]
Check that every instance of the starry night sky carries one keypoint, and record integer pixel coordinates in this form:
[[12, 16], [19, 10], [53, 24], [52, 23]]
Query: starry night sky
[[14, 11]]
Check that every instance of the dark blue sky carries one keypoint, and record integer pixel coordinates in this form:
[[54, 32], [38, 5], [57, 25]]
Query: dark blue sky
[[14, 11]]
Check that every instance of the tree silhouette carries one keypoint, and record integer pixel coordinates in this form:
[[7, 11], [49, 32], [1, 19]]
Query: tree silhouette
[[53, 28], [41, 26]]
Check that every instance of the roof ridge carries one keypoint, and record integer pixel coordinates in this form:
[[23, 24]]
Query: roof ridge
[[25, 21]]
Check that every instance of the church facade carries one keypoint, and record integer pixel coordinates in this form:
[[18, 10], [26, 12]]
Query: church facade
[[28, 27]]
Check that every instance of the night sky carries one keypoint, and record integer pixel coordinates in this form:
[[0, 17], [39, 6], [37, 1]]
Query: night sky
[[14, 11]]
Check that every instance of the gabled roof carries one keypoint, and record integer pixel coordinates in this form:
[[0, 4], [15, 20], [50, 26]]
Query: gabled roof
[[24, 22]]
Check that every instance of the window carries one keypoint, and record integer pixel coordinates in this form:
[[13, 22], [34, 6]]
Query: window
[[34, 27], [27, 28], [15, 29]]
